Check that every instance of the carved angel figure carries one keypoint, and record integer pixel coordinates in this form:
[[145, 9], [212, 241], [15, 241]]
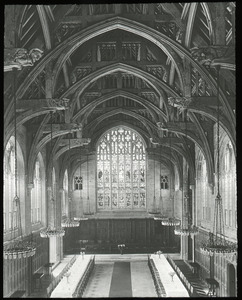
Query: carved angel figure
[[20, 57]]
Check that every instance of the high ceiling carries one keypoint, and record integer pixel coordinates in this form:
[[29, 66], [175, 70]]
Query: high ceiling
[[120, 64]]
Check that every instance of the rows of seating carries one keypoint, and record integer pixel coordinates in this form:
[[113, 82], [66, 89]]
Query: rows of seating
[[160, 290], [183, 279], [58, 278], [83, 282]]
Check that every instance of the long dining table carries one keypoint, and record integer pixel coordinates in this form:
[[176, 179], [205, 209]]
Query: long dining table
[[171, 282], [68, 284]]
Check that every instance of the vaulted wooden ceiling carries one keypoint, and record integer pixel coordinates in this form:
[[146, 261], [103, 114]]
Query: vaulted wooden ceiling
[[119, 64]]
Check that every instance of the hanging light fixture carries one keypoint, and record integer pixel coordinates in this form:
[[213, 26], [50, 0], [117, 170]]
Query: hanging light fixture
[[89, 212], [216, 242], [82, 218], [172, 221], [189, 228], [17, 248], [68, 222], [52, 231]]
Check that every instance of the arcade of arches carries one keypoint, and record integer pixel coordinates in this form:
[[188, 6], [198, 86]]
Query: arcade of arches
[[116, 109]]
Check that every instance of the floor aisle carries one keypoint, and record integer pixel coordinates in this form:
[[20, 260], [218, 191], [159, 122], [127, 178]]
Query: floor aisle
[[121, 280]]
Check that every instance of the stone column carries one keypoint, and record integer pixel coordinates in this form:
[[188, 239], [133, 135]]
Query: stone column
[[184, 239]]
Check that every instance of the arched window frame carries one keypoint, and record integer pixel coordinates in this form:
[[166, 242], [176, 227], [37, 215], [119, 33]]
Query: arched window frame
[[10, 215], [121, 170]]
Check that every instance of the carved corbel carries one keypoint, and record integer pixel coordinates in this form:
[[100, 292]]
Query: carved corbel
[[212, 56], [20, 57], [181, 103], [77, 127], [81, 142], [162, 126]]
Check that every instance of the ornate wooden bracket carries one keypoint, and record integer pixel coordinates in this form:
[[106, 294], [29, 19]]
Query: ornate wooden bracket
[[181, 103], [217, 55], [75, 142]]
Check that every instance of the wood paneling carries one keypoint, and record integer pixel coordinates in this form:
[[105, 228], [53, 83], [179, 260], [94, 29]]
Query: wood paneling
[[139, 231]]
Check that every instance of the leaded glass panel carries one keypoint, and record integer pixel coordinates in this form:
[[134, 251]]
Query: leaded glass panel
[[121, 170]]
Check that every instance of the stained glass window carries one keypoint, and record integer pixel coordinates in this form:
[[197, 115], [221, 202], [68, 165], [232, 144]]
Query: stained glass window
[[121, 170]]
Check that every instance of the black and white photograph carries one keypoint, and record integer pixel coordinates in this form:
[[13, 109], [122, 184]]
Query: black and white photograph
[[119, 150]]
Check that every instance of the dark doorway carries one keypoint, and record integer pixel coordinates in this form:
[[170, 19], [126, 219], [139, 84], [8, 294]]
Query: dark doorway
[[231, 281]]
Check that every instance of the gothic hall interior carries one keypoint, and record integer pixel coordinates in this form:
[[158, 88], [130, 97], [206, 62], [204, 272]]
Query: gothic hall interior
[[120, 146]]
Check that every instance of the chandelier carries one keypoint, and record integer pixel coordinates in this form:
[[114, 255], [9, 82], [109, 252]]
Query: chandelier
[[52, 231], [17, 248], [69, 222], [216, 242], [171, 222]]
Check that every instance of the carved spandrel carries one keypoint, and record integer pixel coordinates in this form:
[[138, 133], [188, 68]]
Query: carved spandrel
[[106, 51], [135, 8], [158, 71], [80, 72], [170, 29], [20, 57], [66, 30]]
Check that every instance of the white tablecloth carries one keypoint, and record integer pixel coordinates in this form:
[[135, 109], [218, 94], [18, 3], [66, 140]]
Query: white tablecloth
[[173, 288], [67, 287]]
